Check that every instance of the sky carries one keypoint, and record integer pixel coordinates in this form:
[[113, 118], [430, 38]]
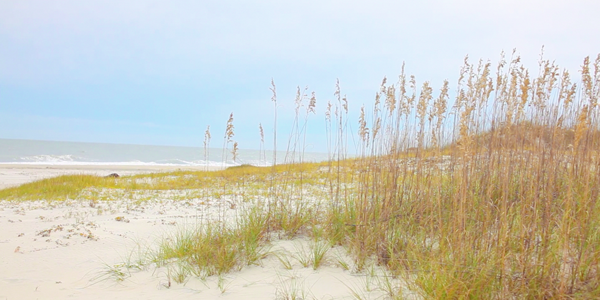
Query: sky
[[160, 72]]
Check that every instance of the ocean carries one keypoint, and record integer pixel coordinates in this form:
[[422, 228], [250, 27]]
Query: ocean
[[14, 151]]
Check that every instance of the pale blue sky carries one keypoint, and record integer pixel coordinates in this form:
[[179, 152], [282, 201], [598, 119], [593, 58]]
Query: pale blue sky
[[159, 72]]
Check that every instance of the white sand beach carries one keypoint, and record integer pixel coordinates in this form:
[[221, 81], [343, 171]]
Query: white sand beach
[[81, 250]]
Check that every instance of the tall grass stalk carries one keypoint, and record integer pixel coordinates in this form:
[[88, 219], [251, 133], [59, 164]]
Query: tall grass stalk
[[206, 145], [499, 203]]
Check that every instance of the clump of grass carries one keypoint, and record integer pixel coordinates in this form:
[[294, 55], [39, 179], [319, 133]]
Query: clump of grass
[[117, 273], [291, 287], [209, 251], [284, 259], [318, 250], [215, 249]]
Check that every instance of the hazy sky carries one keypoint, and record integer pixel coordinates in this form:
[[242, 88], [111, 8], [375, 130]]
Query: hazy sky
[[159, 72]]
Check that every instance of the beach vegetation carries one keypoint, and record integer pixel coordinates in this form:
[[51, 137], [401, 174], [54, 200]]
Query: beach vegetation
[[292, 287], [489, 190], [57, 188]]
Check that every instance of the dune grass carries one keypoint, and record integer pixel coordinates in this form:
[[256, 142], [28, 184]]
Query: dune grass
[[56, 188], [492, 196], [213, 249]]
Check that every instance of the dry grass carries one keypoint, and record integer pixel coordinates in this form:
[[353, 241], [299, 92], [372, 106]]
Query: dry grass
[[511, 209]]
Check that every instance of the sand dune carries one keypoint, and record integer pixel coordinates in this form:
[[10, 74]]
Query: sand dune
[[80, 250]]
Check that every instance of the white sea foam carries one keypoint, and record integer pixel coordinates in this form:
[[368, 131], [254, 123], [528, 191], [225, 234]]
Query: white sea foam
[[70, 159], [119, 163], [49, 158]]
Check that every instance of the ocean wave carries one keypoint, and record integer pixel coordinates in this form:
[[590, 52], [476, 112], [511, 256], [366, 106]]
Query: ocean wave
[[258, 163], [176, 161], [56, 161], [74, 153], [44, 158]]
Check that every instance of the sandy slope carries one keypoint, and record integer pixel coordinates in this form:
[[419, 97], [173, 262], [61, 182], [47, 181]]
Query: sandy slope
[[59, 250]]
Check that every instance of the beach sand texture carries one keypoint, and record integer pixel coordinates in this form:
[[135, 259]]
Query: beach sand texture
[[78, 249]]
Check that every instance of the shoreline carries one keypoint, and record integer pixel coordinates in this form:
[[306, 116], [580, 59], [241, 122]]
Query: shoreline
[[12, 175]]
